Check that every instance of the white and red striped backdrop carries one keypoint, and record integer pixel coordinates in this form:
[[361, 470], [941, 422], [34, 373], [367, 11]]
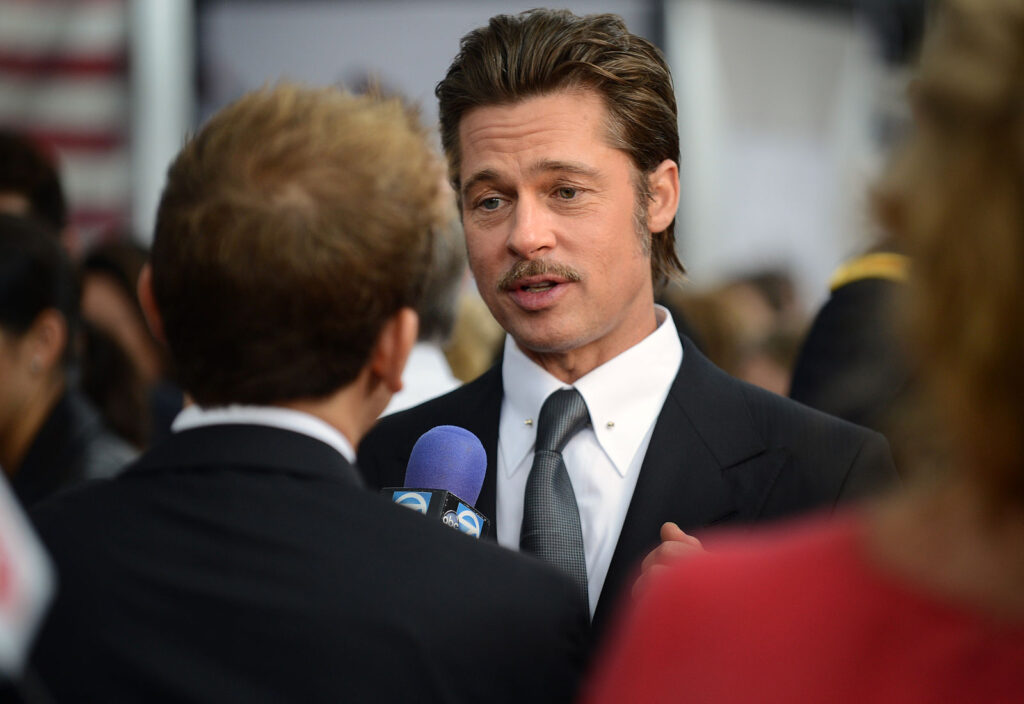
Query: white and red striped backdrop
[[64, 79]]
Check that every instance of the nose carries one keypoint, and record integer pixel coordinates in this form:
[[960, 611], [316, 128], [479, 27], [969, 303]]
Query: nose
[[531, 234]]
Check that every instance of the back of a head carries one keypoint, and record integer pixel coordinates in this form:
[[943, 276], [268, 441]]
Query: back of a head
[[541, 51], [28, 172], [293, 225], [122, 260], [110, 275], [955, 197], [35, 275]]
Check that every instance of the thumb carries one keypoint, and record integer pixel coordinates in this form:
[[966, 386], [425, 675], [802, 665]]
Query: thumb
[[671, 531]]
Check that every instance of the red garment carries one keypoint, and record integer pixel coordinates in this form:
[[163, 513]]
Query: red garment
[[804, 617]]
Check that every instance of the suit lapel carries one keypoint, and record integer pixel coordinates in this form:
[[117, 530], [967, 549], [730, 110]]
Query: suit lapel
[[706, 463], [477, 408], [680, 481], [481, 414]]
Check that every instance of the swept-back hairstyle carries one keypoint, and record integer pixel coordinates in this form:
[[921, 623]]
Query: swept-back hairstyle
[[539, 51], [955, 195], [292, 226]]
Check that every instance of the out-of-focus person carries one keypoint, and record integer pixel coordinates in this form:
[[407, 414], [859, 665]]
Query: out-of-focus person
[[30, 183], [125, 370], [427, 373], [919, 598], [242, 559], [771, 323], [749, 326], [852, 363], [50, 435]]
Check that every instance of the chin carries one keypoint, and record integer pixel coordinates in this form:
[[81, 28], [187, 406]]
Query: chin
[[548, 344]]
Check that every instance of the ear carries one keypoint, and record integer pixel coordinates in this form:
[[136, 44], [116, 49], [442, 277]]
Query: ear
[[391, 351], [148, 302], [48, 339], [664, 187]]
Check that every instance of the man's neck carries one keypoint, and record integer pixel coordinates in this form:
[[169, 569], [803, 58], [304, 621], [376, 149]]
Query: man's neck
[[351, 410]]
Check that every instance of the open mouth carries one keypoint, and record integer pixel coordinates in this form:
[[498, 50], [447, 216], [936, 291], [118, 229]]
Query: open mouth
[[535, 293], [538, 286]]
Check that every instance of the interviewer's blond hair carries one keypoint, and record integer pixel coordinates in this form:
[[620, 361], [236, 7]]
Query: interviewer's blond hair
[[293, 225]]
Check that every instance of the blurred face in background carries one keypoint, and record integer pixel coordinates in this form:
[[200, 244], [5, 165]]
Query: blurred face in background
[[107, 306], [15, 377], [31, 378]]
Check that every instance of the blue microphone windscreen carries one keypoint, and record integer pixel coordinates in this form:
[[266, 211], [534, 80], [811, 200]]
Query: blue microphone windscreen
[[450, 458]]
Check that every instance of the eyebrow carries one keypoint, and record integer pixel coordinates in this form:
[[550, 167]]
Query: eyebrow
[[487, 175], [543, 166]]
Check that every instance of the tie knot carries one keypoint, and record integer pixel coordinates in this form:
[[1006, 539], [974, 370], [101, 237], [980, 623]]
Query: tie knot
[[563, 414]]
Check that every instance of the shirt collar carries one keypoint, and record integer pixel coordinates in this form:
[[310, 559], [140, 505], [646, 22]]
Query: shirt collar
[[195, 416], [624, 396]]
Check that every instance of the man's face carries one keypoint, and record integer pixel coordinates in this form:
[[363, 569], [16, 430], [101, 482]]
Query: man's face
[[548, 209], [16, 376]]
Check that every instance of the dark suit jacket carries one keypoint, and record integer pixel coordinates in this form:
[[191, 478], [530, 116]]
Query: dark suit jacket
[[852, 364], [722, 451], [243, 563]]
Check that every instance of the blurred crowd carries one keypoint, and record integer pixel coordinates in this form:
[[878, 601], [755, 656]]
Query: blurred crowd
[[86, 387]]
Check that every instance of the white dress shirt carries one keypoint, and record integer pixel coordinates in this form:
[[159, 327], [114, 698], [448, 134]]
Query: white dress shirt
[[273, 416], [624, 396]]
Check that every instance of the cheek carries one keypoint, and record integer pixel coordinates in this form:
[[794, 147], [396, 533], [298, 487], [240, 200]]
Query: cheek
[[481, 257], [10, 385]]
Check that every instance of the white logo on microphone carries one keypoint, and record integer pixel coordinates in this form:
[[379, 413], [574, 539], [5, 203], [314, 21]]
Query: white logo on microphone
[[469, 522], [412, 499]]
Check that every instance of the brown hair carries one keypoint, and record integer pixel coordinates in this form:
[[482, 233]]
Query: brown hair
[[29, 169], [540, 51], [292, 226], [955, 195], [35, 275]]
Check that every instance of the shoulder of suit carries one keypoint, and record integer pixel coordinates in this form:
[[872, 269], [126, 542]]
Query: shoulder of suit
[[886, 266], [768, 410], [780, 414]]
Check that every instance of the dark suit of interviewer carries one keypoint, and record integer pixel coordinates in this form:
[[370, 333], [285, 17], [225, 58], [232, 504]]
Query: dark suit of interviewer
[[242, 560]]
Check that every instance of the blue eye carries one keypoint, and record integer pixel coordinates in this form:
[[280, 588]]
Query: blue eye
[[490, 203]]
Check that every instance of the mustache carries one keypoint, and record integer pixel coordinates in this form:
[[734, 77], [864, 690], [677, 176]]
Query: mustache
[[536, 267]]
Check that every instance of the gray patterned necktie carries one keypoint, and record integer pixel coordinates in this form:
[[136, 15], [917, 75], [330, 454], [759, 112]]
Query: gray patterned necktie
[[551, 520]]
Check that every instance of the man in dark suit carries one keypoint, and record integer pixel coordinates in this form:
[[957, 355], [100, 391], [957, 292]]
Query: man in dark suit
[[241, 560], [852, 364], [562, 146]]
